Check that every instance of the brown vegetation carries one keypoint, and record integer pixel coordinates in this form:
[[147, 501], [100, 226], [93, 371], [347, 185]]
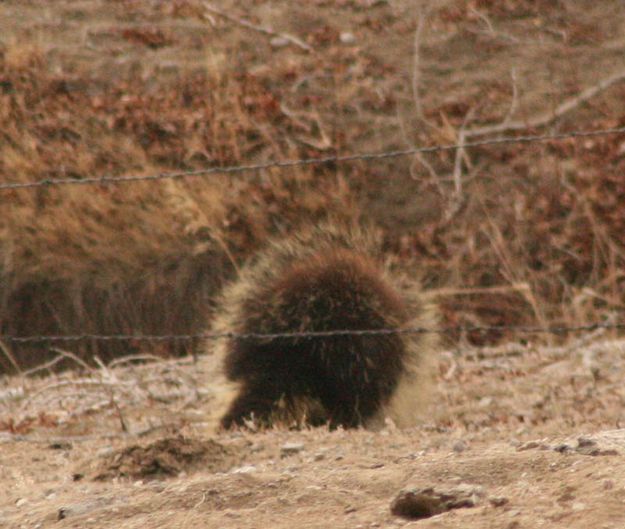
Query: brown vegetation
[[534, 233]]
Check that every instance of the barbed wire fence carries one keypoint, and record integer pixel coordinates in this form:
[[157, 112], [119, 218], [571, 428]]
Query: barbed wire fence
[[241, 169], [525, 329]]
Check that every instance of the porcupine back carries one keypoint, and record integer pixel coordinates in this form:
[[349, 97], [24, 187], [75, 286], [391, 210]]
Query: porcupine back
[[323, 279]]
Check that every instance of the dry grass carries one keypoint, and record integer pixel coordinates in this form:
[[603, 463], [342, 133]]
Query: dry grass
[[137, 258], [507, 235]]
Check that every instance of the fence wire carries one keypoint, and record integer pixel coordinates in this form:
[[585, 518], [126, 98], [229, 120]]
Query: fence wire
[[523, 329], [236, 169], [9, 339]]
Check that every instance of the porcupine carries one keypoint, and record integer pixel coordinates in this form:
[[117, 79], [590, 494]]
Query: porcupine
[[324, 278]]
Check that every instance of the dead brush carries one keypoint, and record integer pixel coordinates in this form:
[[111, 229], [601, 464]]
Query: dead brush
[[110, 391], [142, 258], [507, 235]]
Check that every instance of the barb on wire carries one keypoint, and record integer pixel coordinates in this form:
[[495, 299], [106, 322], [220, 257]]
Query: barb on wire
[[524, 329], [234, 169]]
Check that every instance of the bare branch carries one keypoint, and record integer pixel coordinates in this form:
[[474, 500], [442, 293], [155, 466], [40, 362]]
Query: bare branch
[[261, 29], [547, 118], [416, 61], [9, 355]]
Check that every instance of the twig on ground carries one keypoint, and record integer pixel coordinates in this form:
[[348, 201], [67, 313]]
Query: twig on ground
[[261, 29], [47, 365], [72, 356], [83, 382], [143, 357], [61, 355]]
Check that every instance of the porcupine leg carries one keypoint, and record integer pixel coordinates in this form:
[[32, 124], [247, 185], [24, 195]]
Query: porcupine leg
[[347, 405], [255, 401], [349, 410], [359, 384]]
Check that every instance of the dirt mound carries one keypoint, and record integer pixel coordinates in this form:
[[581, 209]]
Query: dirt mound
[[164, 458], [337, 479]]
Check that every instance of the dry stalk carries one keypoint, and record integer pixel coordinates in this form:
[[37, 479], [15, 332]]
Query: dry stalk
[[45, 366], [140, 357], [416, 61], [83, 382], [459, 158], [11, 358], [490, 29], [260, 29], [500, 289], [546, 118], [513, 273]]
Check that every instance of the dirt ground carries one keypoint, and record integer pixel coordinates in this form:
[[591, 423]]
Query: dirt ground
[[529, 436], [517, 436]]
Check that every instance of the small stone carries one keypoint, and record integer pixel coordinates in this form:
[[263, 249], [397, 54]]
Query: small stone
[[103, 452], [562, 448], [585, 441], [485, 402], [422, 503], [590, 447], [60, 445], [460, 446], [498, 501], [20, 502], [291, 448], [347, 38], [246, 469]]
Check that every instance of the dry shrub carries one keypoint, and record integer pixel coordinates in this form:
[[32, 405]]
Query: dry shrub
[[143, 257], [537, 239], [537, 242]]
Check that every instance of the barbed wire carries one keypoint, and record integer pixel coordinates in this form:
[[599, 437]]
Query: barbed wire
[[524, 329], [234, 169]]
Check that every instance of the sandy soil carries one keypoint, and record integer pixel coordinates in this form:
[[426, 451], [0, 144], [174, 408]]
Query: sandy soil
[[529, 435]]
